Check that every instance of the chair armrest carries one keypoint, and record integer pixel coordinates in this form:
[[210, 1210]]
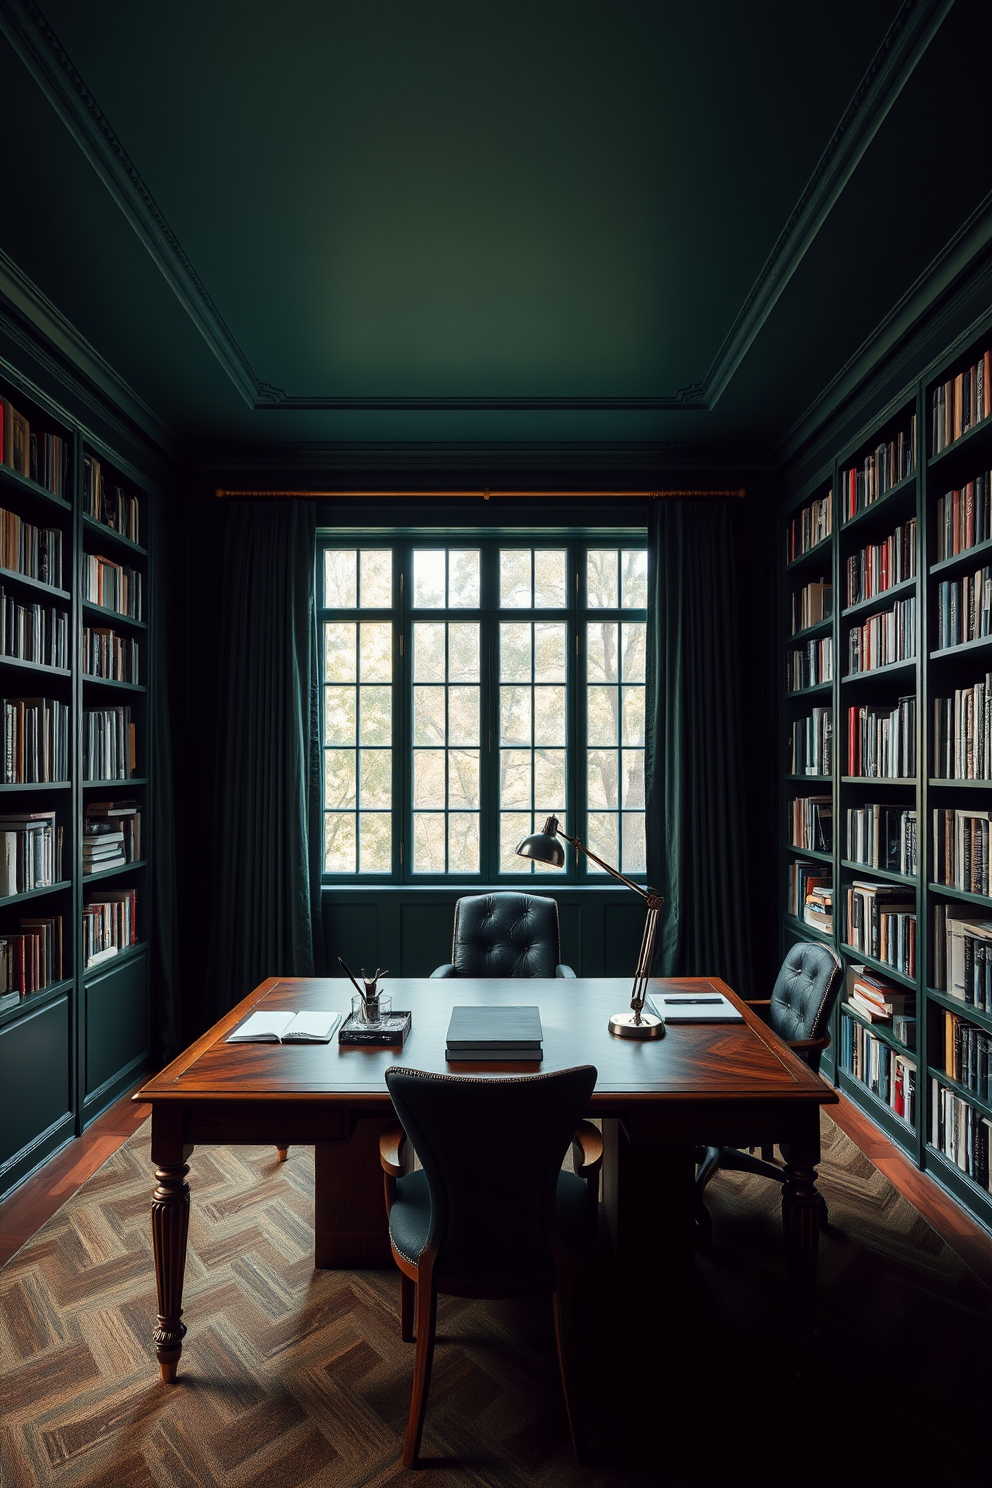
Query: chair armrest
[[809, 1044], [587, 1149], [447, 970], [565, 971], [392, 1140], [760, 1005]]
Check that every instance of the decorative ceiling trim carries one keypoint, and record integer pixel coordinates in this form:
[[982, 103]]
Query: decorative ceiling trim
[[659, 462], [29, 32]]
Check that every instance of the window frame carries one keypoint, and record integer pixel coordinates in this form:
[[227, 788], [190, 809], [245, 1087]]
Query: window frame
[[403, 615]]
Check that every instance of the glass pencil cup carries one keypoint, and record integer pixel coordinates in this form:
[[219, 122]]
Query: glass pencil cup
[[370, 1014]]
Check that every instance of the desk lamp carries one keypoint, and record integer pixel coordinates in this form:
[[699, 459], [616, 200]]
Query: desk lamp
[[544, 847]]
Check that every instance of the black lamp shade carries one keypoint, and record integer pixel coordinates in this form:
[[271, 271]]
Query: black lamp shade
[[544, 847]]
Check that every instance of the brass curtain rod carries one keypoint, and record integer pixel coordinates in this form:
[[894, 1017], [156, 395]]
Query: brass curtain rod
[[485, 494]]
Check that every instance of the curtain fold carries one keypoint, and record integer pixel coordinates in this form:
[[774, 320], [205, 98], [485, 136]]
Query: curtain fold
[[267, 822], [694, 779]]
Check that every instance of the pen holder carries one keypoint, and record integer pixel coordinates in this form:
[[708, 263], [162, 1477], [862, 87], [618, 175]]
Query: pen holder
[[371, 1013]]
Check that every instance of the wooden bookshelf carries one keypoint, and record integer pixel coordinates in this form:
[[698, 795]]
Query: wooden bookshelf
[[78, 1035], [908, 543]]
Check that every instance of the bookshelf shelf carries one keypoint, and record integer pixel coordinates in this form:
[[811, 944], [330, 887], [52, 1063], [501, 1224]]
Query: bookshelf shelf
[[861, 869], [819, 688], [822, 627], [885, 503], [880, 1031], [892, 669], [964, 1009], [804, 929], [906, 780], [947, 892], [71, 1048], [882, 967], [962, 445], [964, 559], [818, 551], [809, 852], [964, 1091], [879, 601]]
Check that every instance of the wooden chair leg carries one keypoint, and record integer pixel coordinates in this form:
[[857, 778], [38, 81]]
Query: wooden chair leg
[[561, 1304], [422, 1361], [407, 1295], [282, 1153]]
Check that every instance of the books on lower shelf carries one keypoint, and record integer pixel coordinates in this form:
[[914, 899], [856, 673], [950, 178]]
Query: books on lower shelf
[[39, 456], [880, 566], [36, 741], [891, 461], [818, 910], [881, 742], [883, 639], [812, 823], [109, 744], [968, 1055], [803, 878], [888, 1074], [275, 1027], [962, 733], [964, 609], [110, 924], [116, 586], [961, 849], [964, 517], [33, 632], [812, 743], [109, 655], [31, 856], [961, 1132], [111, 835], [880, 836], [495, 1033], [809, 665], [813, 525], [961, 402], [876, 999], [35, 552], [962, 954], [31, 957], [108, 503], [881, 921], [811, 604]]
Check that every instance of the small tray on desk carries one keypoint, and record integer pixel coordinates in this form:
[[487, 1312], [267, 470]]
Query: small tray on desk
[[391, 1033]]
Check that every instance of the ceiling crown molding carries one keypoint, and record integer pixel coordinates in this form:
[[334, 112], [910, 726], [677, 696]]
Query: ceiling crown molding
[[26, 27]]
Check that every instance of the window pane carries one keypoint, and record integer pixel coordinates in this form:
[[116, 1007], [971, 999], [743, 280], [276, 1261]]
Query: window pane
[[463, 779], [549, 653], [514, 826], [428, 843], [340, 581], [602, 778], [463, 580], [514, 777], [549, 715], [428, 578], [463, 652], [377, 651], [463, 715], [514, 652], [428, 652], [634, 579], [428, 715], [549, 781], [634, 644], [603, 839], [602, 716], [428, 779], [633, 777], [376, 713], [633, 715], [549, 578], [601, 649], [375, 768], [514, 578], [340, 644], [514, 715], [601, 579], [463, 842], [339, 778], [375, 836], [339, 715], [339, 843], [634, 851], [377, 579]]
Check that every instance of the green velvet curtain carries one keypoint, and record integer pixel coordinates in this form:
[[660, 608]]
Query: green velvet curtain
[[694, 787], [167, 1032], [267, 819]]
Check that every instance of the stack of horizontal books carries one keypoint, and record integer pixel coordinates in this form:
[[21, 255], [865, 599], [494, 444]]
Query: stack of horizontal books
[[488, 1034]]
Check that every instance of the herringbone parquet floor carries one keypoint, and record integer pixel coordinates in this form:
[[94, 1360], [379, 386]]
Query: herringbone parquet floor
[[294, 1377]]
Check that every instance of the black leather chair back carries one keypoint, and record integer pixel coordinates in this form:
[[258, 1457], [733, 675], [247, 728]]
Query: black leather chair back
[[505, 935], [804, 994], [491, 1224]]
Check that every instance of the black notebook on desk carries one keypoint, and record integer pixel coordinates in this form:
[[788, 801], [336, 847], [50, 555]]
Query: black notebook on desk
[[495, 1033]]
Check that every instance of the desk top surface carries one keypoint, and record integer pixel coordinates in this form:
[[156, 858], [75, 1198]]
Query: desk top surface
[[693, 1062]]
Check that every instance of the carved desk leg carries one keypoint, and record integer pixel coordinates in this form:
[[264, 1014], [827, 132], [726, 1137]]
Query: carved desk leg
[[170, 1226], [801, 1225]]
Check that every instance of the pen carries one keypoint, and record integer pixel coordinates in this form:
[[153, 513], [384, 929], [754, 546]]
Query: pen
[[685, 1001]]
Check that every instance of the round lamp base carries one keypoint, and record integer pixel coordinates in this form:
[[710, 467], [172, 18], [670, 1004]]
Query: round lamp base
[[624, 1025]]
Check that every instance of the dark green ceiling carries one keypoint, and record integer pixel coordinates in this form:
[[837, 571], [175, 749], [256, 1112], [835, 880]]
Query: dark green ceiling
[[379, 223]]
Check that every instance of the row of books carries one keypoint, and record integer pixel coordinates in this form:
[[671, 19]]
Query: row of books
[[877, 1000], [809, 665], [960, 403], [113, 585], [883, 639], [962, 955], [107, 654], [961, 849], [31, 957], [811, 604], [962, 733], [803, 878], [111, 835], [36, 741], [964, 608], [964, 517], [880, 836], [110, 923], [109, 744], [966, 1055], [812, 823], [818, 910], [109, 503], [35, 552], [880, 566], [812, 743], [881, 922], [810, 527], [884, 467], [887, 1073], [33, 632], [32, 851], [882, 742], [961, 1132], [40, 456]]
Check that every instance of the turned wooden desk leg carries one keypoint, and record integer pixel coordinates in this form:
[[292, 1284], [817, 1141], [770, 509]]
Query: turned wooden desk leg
[[801, 1227], [170, 1226]]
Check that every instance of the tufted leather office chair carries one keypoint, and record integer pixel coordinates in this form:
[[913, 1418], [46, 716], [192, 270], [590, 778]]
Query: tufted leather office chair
[[798, 1011], [505, 935]]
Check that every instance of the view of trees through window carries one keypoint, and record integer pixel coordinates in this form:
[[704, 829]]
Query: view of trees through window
[[471, 691]]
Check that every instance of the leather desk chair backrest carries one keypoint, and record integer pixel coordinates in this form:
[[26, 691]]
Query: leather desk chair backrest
[[494, 1225], [804, 994], [505, 935]]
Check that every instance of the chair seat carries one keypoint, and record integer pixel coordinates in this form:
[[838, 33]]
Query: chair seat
[[410, 1219]]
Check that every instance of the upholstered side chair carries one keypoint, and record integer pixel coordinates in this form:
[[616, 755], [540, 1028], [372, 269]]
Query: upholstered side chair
[[505, 935]]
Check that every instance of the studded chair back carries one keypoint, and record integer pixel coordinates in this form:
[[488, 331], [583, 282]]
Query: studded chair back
[[505, 935], [804, 994]]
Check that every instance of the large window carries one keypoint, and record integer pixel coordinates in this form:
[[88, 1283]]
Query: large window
[[471, 690]]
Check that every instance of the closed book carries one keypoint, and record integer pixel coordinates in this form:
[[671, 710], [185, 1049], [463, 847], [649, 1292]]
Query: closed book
[[868, 1009], [517, 1028], [486, 1053]]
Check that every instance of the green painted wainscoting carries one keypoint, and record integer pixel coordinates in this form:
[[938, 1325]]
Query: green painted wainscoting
[[407, 928]]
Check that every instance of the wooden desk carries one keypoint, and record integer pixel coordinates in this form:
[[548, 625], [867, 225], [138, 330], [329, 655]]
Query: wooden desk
[[730, 1084]]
